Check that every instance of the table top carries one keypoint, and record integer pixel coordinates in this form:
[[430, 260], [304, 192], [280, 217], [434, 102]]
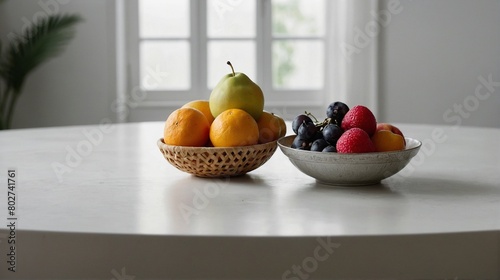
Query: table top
[[113, 179]]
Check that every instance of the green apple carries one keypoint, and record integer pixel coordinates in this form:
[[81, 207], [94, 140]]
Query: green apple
[[237, 91]]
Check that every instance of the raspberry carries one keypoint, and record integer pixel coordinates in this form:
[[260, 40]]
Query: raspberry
[[355, 140], [361, 117]]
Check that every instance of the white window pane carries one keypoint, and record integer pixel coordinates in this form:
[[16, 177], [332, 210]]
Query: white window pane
[[298, 17], [240, 53], [163, 18], [231, 18], [165, 65], [298, 64]]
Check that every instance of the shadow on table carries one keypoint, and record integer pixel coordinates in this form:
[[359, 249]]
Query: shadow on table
[[189, 186], [381, 188], [443, 186], [416, 185], [248, 179]]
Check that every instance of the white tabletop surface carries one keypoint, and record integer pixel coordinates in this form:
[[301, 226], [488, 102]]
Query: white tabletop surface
[[114, 180], [122, 184]]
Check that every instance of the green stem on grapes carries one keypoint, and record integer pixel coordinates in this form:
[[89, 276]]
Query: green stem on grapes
[[325, 122], [312, 116], [232, 69]]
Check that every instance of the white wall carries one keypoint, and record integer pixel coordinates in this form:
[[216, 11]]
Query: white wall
[[431, 55], [76, 87]]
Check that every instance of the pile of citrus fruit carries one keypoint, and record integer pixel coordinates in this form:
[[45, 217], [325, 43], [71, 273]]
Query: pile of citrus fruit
[[233, 116]]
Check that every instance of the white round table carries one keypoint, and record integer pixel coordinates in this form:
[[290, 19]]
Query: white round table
[[101, 202]]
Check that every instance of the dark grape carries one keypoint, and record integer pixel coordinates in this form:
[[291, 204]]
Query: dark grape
[[301, 144], [318, 145], [298, 120], [330, 149], [307, 131], [318, 135], [332, 133], [336, 111]]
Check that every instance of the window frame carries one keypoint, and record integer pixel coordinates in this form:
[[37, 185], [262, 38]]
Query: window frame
[[275, 98]]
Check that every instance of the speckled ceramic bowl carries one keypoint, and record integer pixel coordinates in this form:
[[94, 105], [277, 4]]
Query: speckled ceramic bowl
[[349, 169]]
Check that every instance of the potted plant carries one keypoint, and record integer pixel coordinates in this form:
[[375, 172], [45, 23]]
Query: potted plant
[[43, 40]]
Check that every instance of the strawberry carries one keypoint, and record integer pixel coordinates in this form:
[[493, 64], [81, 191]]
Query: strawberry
[[361, 117], [355, 140]]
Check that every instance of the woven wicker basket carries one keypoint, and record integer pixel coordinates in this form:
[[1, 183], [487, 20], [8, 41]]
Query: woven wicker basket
[[217, 162]]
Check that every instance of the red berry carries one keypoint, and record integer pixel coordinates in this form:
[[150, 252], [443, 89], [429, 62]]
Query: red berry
[[361, 117], [355, 140]]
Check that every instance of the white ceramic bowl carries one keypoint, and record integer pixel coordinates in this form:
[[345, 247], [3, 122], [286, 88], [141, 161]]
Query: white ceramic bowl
[[349, 169]]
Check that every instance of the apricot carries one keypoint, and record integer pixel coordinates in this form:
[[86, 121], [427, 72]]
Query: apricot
[[390, 127], [385, 141]]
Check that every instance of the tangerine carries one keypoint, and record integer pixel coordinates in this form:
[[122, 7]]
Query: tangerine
[[271, 127], [233, 128], [186, 127], [282, 125], [201, 105]]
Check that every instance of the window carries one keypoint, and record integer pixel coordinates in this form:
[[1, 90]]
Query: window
[[179, 48]]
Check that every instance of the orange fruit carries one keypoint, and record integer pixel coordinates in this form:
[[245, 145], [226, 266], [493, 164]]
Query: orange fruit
[[385, 141], [271, 127], [282, 125], [186, 127], [233, 128], [201, 105]]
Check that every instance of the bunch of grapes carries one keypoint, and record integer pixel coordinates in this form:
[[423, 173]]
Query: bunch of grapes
[[319, 136]]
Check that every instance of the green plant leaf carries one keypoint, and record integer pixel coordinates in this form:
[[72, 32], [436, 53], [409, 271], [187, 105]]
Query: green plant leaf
[[43, 40], [1, 59]]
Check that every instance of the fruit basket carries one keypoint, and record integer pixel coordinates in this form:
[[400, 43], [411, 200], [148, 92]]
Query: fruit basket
[[349, 169], [213, 162]]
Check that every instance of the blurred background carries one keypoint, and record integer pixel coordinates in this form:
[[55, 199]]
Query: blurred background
[[420, 61]]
